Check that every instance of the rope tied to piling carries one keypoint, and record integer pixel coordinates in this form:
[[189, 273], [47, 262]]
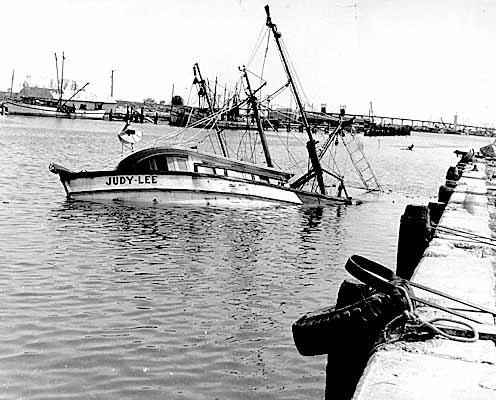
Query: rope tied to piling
[[409, 324]]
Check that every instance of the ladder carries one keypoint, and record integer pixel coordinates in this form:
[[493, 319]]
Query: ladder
[[355, 150]]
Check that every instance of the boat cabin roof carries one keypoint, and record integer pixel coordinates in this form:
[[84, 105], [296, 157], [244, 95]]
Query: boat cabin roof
[[131, 163]]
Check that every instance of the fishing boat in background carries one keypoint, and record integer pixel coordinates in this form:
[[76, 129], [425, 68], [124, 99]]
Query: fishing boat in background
[[52, 108], [172, 174], [67, 101]]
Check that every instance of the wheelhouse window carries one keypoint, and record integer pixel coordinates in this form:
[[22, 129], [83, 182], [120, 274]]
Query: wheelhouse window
[[260, 178], [205, 170], [236, 174], [177, 164], [153, 164]]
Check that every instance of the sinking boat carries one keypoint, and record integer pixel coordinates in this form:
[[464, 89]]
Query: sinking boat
[[168, 175], [184, 175]]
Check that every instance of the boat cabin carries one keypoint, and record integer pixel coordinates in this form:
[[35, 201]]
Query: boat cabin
[[176, 160]]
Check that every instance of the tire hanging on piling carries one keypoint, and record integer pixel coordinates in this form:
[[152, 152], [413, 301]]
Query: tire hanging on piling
[[326, 330]]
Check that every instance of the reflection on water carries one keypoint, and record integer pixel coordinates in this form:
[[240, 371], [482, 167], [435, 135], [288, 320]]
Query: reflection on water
[[119, 301]]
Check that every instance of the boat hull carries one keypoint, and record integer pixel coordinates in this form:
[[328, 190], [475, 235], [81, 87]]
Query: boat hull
[[15, 108], [184, 188]]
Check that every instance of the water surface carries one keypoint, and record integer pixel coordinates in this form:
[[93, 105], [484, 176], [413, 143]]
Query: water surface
[[121, 301]]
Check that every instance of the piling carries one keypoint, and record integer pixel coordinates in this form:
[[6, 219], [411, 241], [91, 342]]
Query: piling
[[436, 209], [444, 193], [413, 238]]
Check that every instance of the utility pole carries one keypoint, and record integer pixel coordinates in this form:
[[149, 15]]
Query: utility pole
[[12, 83], [112, 84]]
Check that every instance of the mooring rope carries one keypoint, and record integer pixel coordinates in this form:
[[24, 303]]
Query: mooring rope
[[413, 320], [386, 281], [409, 323], [468, 236]]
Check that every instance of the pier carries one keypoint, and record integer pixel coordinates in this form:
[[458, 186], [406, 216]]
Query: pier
[[439, 368], [421, 124]]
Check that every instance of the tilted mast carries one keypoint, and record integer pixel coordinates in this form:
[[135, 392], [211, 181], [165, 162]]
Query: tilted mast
[[312, 152], [201, 82], [254, 107]]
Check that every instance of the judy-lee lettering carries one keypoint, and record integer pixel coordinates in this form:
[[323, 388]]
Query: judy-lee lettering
[[123, 180]]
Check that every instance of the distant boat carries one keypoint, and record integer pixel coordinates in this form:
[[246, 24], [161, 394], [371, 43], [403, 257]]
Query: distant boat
[[46, 102], [47, 108]]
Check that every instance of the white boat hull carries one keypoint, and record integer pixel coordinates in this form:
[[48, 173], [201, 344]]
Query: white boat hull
[[166, 175], [177, 189], [16, 108]]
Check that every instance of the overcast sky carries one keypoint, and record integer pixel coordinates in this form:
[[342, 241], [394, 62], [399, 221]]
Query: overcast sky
[[416, 58]]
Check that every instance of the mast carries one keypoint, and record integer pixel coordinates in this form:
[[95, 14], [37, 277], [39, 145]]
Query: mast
[[254, 107], [57, 68], [172, 103], [312, 152], [201, 81], [62, 80]]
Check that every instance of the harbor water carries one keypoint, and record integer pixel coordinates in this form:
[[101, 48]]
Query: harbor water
[[122, 301]]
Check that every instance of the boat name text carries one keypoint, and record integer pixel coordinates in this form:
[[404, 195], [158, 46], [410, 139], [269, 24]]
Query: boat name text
[[128, 180]]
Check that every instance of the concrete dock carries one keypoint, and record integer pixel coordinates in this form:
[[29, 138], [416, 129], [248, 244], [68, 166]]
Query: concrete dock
[[440, 368]]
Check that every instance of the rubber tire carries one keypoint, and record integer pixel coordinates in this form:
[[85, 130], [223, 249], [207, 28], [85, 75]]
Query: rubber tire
[[322, 331]]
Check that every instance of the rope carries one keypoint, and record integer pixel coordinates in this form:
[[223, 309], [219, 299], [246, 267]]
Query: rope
[[465, 234], [258, 43], [265, 54], [411, 323]]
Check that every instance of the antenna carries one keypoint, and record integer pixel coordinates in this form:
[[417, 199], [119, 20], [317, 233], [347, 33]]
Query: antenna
[[12, 83]]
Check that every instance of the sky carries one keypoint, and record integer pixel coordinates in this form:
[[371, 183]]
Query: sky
[[426, 59]]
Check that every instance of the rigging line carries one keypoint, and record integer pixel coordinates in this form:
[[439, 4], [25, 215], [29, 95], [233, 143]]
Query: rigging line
[[189, 95], [455, 232], [294, 72], [253, 147], [240, 143], [265, 55], [286, 116], [255, 75], [291, 157], [270, 123], [463, 232], [189, 116], [465, 238], [258, 42], [204, 120]]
